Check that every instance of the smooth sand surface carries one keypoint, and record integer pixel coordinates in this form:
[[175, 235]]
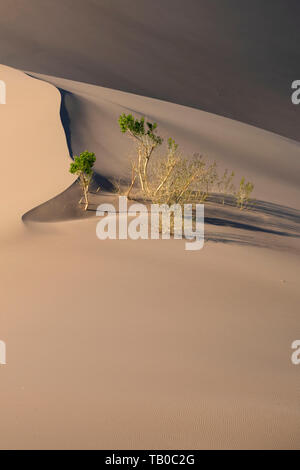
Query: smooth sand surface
[[140, 344], [32, 146], [233, 58]]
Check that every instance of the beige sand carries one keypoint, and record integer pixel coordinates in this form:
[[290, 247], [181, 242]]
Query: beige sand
[[124, 344], [33, 150]]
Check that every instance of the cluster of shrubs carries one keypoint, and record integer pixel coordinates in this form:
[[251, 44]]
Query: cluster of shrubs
[[171, 178], [167, 178]]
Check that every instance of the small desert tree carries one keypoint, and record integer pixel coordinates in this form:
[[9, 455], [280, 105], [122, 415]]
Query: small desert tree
[[147, 140], [83, 168]]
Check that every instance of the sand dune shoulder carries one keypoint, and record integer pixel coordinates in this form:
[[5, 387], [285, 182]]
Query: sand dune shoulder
[[33, 148]]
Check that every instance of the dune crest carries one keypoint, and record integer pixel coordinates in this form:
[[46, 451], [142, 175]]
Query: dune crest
[[33, 148]]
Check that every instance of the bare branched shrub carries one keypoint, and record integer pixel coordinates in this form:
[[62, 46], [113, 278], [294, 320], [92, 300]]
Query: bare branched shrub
[[178, 180], [225, 185], [121, 186], [243, 194]]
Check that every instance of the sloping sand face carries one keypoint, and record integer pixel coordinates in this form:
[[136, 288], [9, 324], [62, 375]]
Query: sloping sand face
[[134, 344], [33, 148]]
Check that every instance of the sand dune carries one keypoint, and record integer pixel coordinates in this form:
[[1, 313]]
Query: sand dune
[[230, 58], [90, 115], [91, 119], [33, 148], [124, 344]]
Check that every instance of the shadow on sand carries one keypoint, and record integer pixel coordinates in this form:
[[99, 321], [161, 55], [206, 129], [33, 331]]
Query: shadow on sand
[[265, 225]]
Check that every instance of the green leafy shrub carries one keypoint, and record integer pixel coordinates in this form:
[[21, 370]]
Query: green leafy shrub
[[83, 168]]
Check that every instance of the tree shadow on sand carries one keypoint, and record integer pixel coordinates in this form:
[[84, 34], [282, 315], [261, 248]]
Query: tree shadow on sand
[[264, 224]]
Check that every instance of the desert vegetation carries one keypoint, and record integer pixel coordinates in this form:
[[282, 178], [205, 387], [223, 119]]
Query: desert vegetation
[[169, 177], [165, 176], [83, 168], [243, 193]]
